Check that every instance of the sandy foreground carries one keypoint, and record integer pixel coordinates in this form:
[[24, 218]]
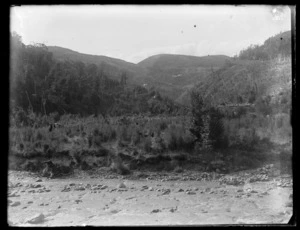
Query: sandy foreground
[[96, 201]]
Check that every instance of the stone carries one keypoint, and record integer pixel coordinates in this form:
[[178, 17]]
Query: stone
[[190, 193], [104, 187], [36, 186], [39, 180], [173, 209], [122, 185], [13, 195], [166, 192], [14, 204], [155, 211], [78, 201], [38, 218]]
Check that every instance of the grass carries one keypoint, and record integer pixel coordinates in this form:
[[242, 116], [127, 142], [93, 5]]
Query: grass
[[85, 140]]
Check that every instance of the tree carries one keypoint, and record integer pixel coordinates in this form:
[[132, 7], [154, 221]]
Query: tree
[[216, 129], [198, 112], [207, 126], [123, 79]]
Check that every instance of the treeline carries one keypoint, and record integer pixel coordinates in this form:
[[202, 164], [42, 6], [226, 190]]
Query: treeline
[[278, 45], [40, 84]]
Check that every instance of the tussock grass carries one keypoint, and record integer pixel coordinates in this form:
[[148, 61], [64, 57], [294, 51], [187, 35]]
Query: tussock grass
[[78, 138]]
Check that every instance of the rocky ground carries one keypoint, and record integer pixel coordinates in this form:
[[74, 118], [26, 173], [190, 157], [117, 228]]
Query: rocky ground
[[101, 198]]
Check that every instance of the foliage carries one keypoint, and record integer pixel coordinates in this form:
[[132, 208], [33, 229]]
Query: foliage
[[207, 126], [197, 115], [43, 85], [278, 45]]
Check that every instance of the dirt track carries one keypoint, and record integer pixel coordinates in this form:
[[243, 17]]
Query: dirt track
[[101, 202]]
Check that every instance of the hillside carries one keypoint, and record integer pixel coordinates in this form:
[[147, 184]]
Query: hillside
[[173, 74], [278, 45], [65, 81], [247, 82], [257, 71], [170, 74], [172, 61], [113, 66]]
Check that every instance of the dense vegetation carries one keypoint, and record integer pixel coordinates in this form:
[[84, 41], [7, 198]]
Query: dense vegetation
[[44, 85], [238, 111], [278, 45]]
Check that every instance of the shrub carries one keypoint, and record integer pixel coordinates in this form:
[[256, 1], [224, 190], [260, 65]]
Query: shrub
[[168, 166], [135, 138], [178, 169], [198, 110], [157, 143], [147, 144], [216, 129], [207, 126], [163, 125], [118, 167]]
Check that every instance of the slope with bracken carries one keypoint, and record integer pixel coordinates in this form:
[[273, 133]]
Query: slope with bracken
[[173, 74]]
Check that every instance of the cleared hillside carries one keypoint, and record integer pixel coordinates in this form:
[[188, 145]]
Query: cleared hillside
[[246, 82], [173, 74]]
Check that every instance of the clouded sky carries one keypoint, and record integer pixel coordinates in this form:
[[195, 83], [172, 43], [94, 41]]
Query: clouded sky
[[133, 33]]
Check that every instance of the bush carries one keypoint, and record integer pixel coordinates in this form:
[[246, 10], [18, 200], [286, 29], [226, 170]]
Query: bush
[[216, 129], [118, 167], [202, 116], [178, 169], [147, 145]]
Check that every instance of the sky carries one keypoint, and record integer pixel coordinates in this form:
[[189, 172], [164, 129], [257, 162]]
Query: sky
[[135, 32]]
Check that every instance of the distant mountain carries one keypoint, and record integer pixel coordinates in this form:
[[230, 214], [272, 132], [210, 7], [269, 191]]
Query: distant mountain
[[223, 78], [170, 74], [173, 61], [174, 74], [115, 67]]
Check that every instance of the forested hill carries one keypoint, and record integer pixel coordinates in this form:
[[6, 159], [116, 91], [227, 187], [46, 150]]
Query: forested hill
[[113, 66], [43, 84], [260, 76], [278, 45]]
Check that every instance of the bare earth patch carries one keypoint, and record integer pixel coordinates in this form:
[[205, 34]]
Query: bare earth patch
[[94, 200]]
